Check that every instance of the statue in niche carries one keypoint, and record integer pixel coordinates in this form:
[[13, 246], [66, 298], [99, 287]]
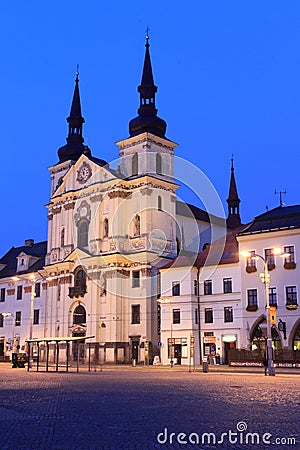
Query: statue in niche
[[137, 225]]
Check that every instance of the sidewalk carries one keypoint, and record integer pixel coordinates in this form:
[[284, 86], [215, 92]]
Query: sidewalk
[[214, 369]]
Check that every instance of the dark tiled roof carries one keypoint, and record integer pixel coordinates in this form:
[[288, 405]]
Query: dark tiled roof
[[280, 218], [37, 250], [218, 253], [188, 210]]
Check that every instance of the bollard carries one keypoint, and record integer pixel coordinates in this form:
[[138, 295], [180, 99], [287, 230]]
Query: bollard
[[204, 365]]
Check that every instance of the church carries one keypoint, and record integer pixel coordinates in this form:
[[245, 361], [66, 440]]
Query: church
[[117, 236]]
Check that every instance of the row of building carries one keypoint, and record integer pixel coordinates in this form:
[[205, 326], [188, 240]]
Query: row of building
[[139, 274]]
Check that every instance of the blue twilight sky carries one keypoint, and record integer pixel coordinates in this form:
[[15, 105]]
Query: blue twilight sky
[[228, 75]]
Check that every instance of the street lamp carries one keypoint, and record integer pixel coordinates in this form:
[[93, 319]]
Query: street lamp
[[171, 346], [266, 281]]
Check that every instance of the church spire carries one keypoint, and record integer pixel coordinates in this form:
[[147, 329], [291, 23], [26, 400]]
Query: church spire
[[147, 120], [74, 147], [233, 201]]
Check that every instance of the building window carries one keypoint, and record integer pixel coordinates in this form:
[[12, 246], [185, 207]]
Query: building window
[[135, 278], [196, 287], [208, 287], [1, 321], [79, 315], [36, 317], [18, 318], [158, 277], [228, 314], [2, 295], [252, 299], [62, 238], [105, 228], [196, 316], [135, 164], [22, 262], [158, 319], [19, 292], [37, 289], [227, 285], [175, 288], [273, 296], [80, 278], [159, 203], [158, 164], [270, 258], [208, 315], [83, 232], [289, 260], [291, 297], [176, 315], [135, 314], [251, 262]]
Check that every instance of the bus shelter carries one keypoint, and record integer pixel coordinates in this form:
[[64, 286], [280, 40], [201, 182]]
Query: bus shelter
[[60, 364]]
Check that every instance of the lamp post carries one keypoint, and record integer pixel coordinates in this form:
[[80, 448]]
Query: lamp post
[[266, 280], [171, 346]]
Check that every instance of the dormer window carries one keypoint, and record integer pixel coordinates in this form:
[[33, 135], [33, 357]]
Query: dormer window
[[23, 262]]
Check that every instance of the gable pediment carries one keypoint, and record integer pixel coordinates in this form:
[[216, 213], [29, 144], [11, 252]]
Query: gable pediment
[[83, 173]]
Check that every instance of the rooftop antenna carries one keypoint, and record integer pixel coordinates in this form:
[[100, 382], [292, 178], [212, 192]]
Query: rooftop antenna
[[280, 196], [147, 33]]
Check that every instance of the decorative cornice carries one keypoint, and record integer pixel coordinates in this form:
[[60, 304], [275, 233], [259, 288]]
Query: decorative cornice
[[69, 206], [96, 198], [119, 194]]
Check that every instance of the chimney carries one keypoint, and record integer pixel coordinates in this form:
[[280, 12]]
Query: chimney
[[29, 242]]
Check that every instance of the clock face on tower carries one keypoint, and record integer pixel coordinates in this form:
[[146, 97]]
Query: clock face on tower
[[84, 173]]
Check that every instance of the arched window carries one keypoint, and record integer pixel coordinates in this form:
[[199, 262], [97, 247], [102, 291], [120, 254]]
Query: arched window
[[80, 278], [137, 225], [158, 163], [258, 337], [159, 203], [105, 228], [62, 237], [135, 164], [79, 315], [83, 233], [296, 341]]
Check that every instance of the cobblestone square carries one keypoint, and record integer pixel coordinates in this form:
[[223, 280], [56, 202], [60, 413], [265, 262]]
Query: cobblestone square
[[127, 408]]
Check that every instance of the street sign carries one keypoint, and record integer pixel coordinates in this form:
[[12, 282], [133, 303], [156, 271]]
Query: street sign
[[159, 344], [273, 315]]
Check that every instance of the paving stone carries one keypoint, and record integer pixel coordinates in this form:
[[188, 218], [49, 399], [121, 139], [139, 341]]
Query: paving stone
[[127, 409]]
